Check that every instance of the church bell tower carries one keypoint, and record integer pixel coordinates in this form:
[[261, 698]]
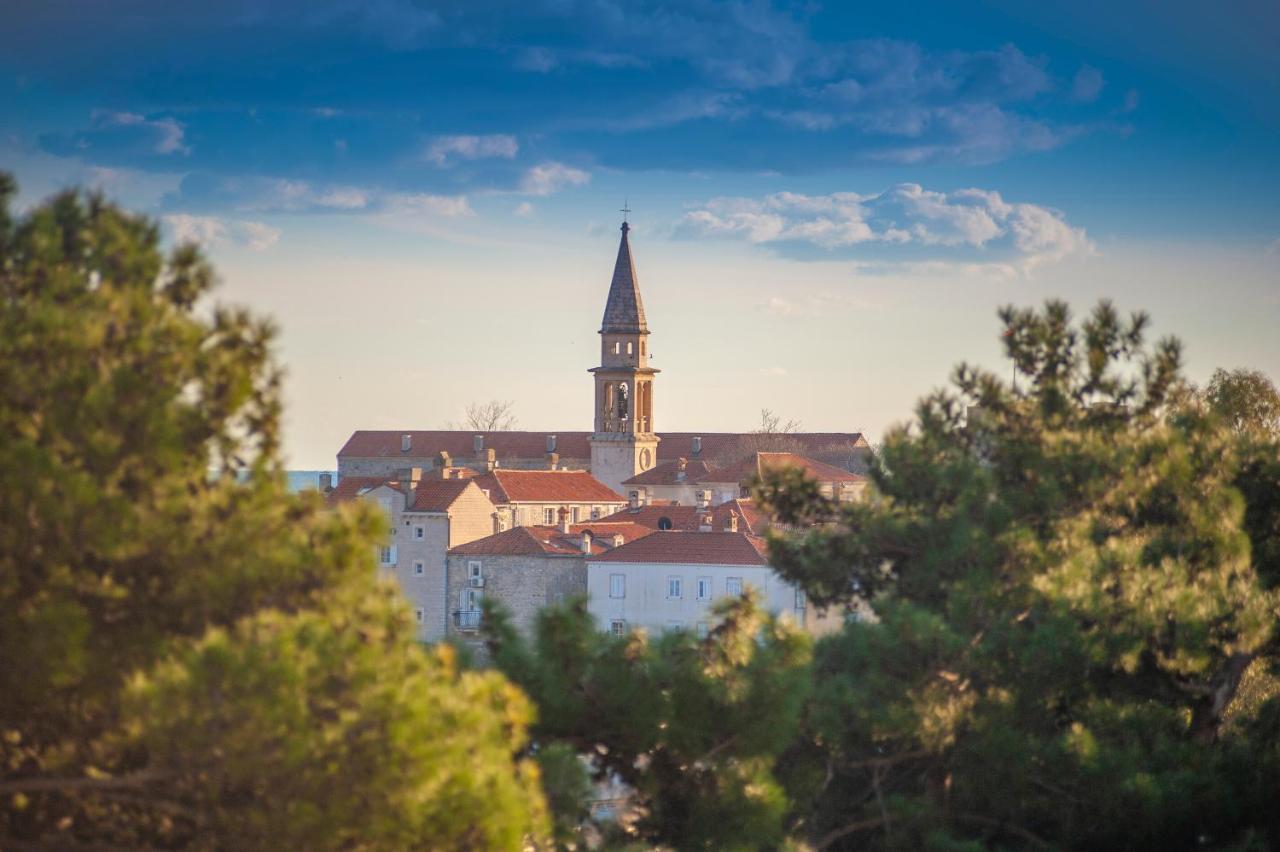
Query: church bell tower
[[624, 442]]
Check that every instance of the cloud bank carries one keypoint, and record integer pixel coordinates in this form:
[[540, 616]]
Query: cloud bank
[[904, 224]]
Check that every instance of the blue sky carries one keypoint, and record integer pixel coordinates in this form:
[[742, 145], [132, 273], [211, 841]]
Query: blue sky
[[830, 201]]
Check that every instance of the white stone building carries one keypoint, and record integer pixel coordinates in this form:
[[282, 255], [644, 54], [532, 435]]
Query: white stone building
[[670, 580]]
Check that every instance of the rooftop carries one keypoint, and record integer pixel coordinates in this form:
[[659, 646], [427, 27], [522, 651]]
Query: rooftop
[[551, 541], [545, 486], [691, 548]]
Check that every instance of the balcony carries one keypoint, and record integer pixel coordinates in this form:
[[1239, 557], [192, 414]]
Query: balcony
[[467, 619]]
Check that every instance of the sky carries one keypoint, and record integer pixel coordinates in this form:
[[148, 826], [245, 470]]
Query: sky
[[829, 201]]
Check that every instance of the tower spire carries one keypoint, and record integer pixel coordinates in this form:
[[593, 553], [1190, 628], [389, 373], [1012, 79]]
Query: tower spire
[[624, 310]]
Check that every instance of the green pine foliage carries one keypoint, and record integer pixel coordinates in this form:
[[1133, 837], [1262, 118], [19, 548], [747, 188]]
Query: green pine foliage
[[1066, 580], [192, 657], [695, 727]]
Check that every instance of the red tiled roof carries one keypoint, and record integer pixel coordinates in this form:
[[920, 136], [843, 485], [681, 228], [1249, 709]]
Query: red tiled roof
[[437, 495], [550, 541], [757, 463], [668, 473], [385, 444], [691, 548], [431, 495], [350, 487], [689, 518], [546, 486]]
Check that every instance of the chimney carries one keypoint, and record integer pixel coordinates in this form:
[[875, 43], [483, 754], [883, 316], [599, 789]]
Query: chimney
[[586, 542], [564, 520], [618, 539], [406, 443], [635, 501], [477, 444], [682, 465], [444, 461], [409, 478], [705, 524], [703, 499], [490, 460], [697, 445], [551, 443], [731, 522], [326, 483], [553, 460]]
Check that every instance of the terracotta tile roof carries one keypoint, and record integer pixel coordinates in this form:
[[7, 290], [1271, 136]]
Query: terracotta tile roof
[[691, 548], [668, 473], [757, 463], [437, 495], [431, 495], [546, 486], [689, 518], [426, 445], [550, 541], [350, 487]]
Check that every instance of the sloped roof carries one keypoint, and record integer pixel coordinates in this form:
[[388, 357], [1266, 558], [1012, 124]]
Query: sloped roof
[[691, 548], [430, 495], [668, 473], [757, 463], [545, 486], [624, 310], [551, 541], [689, 518], [427, 444]]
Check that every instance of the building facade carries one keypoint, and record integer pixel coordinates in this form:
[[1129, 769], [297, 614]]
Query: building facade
[[671, 580], [425, 518], [538, 497]]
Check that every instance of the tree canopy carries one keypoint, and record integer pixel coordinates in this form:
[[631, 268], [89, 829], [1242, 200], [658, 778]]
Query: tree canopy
[[192, 655], [1067, 595]]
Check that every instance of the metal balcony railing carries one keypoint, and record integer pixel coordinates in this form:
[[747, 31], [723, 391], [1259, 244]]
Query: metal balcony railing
[[467, 619]]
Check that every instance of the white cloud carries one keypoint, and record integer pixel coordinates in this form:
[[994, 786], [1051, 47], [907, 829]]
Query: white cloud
[[114, 129], [1087, 85], [549, 177], [426, 204], [906, 223], [524, 208], [445, 149], [210, 231]]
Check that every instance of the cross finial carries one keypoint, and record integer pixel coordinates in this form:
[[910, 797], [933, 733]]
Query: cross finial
[[624, 211]]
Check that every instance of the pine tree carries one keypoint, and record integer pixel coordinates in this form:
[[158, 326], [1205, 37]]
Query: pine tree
[[1066, 599], [192, 657]]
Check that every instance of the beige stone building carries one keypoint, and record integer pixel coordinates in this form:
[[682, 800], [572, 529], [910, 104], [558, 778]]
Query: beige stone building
[[426, 517], [526, 568], [537, 497], [703, 483]]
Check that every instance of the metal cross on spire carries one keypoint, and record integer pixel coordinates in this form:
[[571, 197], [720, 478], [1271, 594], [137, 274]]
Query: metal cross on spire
[[624, 211]]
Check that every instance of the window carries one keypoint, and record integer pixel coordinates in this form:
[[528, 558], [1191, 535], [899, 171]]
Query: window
[[617, 627], [549, 516], [419, 615], [702, 630], [673, 626], [733, 586], [628, 347], [800, 601], [419, 533], [664, 523], [704, 588], [418, 568], [595, 513], [576, 509], [617, 347], [474, 576], [387, 555], [617, 585], [674, 588]]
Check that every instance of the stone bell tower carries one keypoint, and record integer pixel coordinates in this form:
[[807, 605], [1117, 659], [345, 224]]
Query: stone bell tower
[[624, 442]]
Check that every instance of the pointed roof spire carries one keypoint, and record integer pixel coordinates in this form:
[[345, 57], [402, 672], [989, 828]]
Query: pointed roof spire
[[624, 311]]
